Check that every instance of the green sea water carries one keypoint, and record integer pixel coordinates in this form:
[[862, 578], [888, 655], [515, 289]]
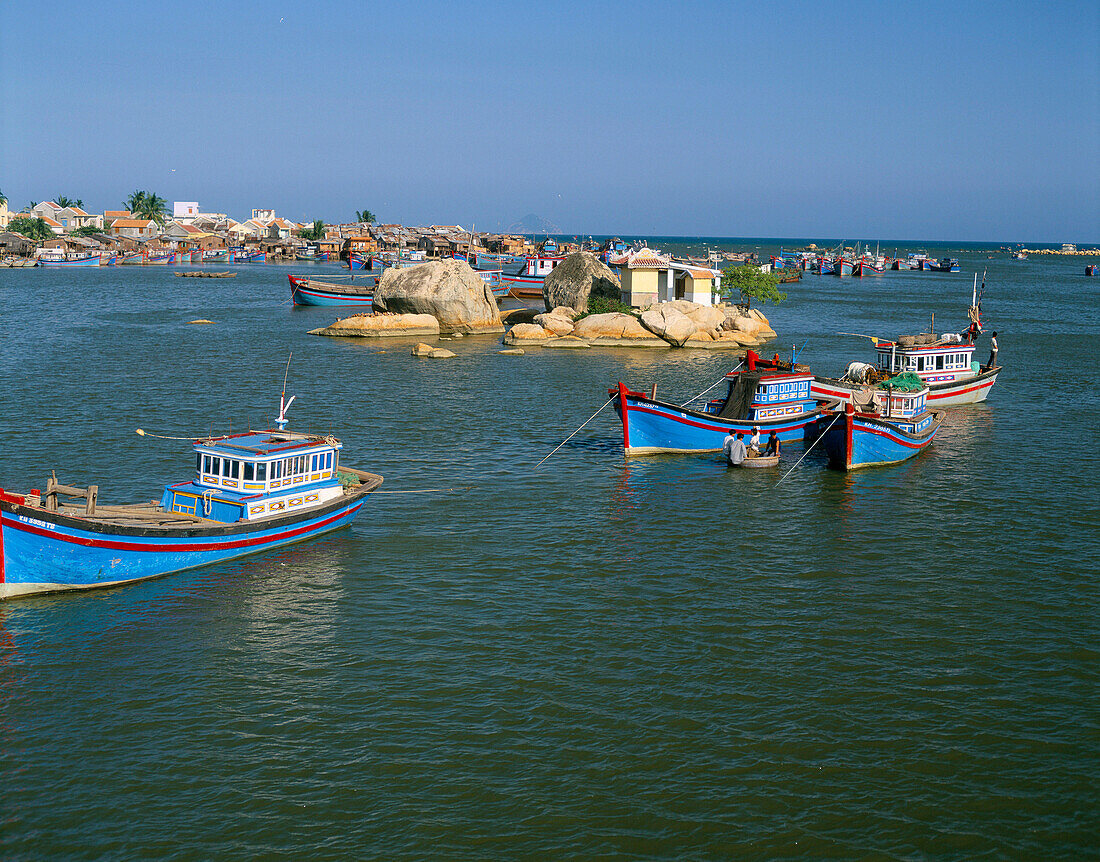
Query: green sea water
[[597, 658]]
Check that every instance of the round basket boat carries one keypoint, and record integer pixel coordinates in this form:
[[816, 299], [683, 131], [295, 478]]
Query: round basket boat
[[761, 461]]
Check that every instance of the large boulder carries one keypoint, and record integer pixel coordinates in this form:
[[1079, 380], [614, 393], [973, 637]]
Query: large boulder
[[579, 276], [381, 326], [706, 317], [555, 322], [616, 329], [673, 326], [448, 290], [527, 333]]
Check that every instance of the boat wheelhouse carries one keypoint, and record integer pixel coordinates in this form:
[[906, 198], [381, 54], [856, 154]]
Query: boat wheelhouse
[[253, 475], [769, 395], [945, 364]]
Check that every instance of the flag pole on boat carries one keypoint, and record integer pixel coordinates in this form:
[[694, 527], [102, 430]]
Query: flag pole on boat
[[284, 405]]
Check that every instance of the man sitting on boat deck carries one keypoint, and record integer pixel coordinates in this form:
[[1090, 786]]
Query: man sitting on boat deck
[[734, 447], [773, 445]]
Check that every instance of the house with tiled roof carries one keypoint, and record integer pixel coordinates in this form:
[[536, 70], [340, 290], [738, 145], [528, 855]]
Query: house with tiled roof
[[134, 228], [110, 216], [46, 209], [73, 218]]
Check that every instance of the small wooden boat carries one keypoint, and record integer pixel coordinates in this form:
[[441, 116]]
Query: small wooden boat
[[200, 274], [251, 492], [759, 461], [306, 291]]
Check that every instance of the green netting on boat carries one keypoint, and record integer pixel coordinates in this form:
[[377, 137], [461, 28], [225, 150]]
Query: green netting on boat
[[907, 381]]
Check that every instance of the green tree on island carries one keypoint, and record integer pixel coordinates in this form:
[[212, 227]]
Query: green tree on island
[[314, 231], [750, 282], [364, 216], [63, 201], [31, 228], [3, 200]]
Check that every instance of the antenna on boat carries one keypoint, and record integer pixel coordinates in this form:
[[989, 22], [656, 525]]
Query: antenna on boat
[[284, 405]]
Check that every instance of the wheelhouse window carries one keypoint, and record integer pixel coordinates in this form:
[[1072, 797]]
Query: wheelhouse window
[[215, 465], [939, 362], [261, 472], [249, 471]]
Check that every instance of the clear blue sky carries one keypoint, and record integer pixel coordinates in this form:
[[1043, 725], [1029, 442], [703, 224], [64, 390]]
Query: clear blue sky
[[961, 120]]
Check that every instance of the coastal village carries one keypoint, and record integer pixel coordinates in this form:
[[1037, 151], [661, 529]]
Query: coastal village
[[188, 229]]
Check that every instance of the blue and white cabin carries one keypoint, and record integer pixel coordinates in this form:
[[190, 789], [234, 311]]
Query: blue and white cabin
[[937, 362], [906, 410], [765, 396], [256, 475]]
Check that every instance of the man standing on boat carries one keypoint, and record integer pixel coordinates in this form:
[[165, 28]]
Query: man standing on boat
[[993, 349], [734, 447]]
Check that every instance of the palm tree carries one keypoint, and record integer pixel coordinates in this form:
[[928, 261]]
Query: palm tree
[[152, 206], [3, 200], [364, 216], [63, 201], [133, 203]]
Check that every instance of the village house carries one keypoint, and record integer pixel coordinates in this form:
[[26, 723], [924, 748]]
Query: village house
[[361, 244], [74, 218], [5, 215], [279, 228], [16, 243], [44, 210], [134, 228], [111, 216], [184, 211]]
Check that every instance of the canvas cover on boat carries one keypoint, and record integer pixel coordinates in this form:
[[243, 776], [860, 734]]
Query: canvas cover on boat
[[907, 381], [742, 391]]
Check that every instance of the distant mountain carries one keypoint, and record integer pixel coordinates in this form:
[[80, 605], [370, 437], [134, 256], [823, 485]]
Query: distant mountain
[[532, 223]]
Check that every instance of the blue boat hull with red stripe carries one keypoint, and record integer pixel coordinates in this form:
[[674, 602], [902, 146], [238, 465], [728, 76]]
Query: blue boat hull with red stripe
[[653, 427], [855, 440], [304, 291], [47, 552]]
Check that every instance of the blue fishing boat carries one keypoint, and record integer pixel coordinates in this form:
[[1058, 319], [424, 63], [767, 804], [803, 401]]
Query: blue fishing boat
[[87, 260], [251, 492], [108, 259], [946, 264], [893, 426], [306, 291], [360, 261], [767, 394]]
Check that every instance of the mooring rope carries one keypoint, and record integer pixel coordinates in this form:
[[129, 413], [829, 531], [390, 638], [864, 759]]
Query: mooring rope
[[586, 421], [705, 391], [807, 452]]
